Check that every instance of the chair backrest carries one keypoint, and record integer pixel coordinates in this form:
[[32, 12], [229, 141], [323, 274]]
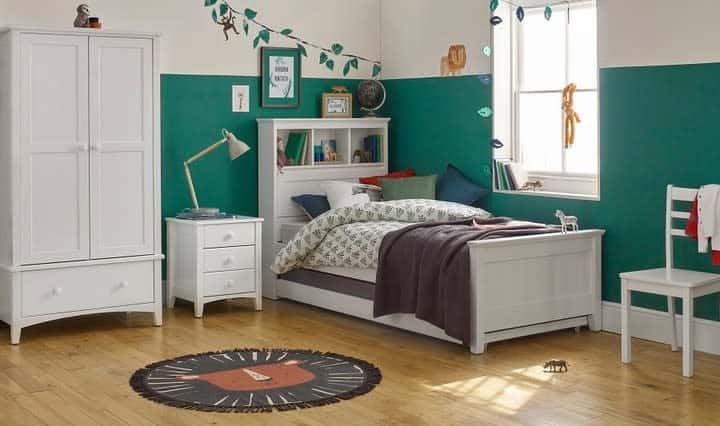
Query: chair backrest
[[675, 194]]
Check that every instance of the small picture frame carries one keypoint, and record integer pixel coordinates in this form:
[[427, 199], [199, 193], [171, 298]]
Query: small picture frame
[[241, 98], [337, 105], [281, 77]]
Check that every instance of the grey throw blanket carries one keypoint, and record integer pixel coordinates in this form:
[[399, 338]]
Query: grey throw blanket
[[425, 269]]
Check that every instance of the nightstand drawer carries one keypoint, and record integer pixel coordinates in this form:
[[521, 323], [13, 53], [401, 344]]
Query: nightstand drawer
[[235, 282], [229, 259], [238, 234]]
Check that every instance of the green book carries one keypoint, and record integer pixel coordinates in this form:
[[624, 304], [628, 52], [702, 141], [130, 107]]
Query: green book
[[501, 173], [295, 148]]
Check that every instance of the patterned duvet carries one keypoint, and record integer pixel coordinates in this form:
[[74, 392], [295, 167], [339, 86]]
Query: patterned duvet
[[351, 236]]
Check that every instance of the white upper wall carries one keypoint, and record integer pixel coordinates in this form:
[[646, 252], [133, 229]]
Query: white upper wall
[[658, 32], [193, 44], [416, 34], [411, 36]]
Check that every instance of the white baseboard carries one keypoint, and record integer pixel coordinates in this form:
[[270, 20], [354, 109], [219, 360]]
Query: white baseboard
[[655, 326]]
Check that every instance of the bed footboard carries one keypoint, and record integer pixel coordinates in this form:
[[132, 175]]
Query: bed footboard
[[527, 285]]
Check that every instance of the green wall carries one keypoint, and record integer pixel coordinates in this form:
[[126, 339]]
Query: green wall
[[194, 110], [658, 126], [435, 122]]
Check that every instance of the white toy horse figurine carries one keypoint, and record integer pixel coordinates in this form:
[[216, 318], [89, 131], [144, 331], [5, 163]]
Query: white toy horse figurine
[[569, 223]]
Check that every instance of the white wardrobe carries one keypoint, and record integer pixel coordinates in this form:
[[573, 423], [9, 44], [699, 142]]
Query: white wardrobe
[[79, 175]]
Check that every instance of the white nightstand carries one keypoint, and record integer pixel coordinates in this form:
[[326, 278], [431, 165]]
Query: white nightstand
[[211, 260]]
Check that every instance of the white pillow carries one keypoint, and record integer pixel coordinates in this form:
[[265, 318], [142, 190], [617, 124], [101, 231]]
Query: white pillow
[[344, 194]]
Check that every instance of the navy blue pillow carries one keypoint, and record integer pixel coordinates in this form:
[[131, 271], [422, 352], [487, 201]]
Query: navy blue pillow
[[454, 186], [312, 205]]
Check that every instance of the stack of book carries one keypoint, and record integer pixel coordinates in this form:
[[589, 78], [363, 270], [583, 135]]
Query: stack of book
[[373, 145], [296, 149], [509, 176]]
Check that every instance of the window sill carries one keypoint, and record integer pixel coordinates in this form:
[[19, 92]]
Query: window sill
[[548, 194]]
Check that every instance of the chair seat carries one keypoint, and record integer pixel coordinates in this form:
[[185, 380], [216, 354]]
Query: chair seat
[[678, 277]]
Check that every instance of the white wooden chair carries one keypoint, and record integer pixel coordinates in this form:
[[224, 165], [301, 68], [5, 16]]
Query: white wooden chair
[[670, 282]]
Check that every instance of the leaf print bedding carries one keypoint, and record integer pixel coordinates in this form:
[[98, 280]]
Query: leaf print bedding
[[351, 236]]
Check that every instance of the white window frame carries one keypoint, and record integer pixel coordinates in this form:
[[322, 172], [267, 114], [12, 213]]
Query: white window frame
[[572, 185]]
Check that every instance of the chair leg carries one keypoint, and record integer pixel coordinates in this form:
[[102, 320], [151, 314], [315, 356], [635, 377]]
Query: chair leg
[[688, 336], [671, 312], [626, 337]]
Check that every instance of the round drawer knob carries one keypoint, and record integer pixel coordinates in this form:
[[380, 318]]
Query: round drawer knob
[[229, 284], [57, 291], [124, 284], [229, 236], [229, 260]]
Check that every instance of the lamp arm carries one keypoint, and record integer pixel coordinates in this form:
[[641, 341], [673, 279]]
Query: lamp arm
[[205, 151], [193, 159], [191, 186]]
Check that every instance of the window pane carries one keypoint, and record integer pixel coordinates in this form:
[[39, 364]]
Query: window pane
[[583, 156], [539, 131], [582, 47], [542, 51]]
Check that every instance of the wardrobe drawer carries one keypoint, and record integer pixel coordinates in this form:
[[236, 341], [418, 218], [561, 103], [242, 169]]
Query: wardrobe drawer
[[229, 259], [85, 288], [237, 234], [235, 282]]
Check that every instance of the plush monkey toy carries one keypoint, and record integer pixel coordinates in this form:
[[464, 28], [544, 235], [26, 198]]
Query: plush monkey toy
[[571, 117], [83, 16]]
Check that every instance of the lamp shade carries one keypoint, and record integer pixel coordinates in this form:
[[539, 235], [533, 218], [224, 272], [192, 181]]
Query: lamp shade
[[236, 147]]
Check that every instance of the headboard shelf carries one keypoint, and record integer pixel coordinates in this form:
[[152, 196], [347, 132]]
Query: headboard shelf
[[276, 188]]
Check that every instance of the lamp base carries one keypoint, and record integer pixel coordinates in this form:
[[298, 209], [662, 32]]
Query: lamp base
[[205, 212]]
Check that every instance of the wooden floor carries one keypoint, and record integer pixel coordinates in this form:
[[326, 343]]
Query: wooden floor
[[76, 372]]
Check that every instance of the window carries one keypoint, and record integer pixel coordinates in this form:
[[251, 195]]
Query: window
[[534, 60]]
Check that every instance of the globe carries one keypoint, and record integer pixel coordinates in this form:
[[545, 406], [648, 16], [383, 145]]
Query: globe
[[371, 96]]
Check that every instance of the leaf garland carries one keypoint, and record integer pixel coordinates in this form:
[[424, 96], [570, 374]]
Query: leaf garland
[[377, 69], [329, 56], [520, 11]]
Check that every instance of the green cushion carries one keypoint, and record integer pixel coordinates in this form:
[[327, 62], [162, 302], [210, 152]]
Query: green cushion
[[421, 187]]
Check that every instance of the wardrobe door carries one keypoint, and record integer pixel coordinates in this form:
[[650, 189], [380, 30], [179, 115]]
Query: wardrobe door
[[121, 147], [54, 141]]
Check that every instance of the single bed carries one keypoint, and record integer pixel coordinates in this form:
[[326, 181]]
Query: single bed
[[518, 286]]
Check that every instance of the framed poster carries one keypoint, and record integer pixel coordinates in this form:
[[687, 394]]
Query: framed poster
[[281, 74]]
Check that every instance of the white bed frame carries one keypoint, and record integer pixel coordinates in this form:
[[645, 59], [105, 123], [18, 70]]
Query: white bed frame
[[519, 286]]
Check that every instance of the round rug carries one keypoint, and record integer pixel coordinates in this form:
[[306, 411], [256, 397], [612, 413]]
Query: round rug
[[255, 380]]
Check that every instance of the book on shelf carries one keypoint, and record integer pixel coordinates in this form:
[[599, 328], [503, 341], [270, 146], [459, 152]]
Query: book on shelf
[[500, 171], [519, 174], [510, 178], [379, 149], [509, 175], [372, 144], [304, 158], [502, 183], [496, 175], [296, 148]]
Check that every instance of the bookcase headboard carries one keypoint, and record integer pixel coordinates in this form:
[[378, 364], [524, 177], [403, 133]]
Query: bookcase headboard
[[364, 139]]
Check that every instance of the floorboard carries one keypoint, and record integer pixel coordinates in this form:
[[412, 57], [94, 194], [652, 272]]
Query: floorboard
[[76, 371]]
